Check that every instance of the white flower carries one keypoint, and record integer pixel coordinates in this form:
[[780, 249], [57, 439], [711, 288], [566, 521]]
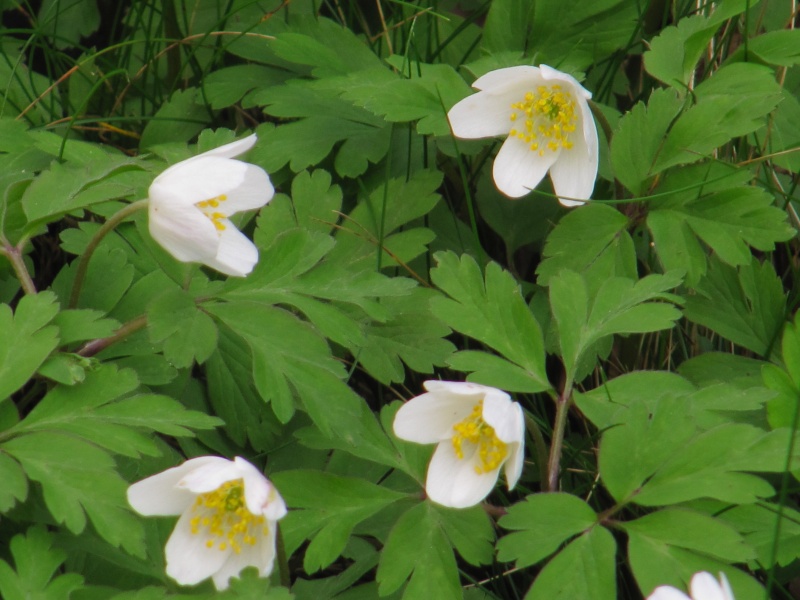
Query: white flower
[[191, 201], [549, 125], [228, 514], [703, 587], [478, 429]]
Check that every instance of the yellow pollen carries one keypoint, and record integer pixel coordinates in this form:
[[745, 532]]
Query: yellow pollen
[[207, 207], [222, 516], [548, 118], [492, 451]]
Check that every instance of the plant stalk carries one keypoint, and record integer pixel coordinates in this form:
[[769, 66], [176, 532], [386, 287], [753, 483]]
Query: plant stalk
[[14, 255], [563, 405]]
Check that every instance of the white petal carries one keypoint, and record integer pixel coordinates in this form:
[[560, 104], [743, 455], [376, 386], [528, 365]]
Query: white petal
[[210, 476], [234, 148], [464, 388], [726, 587], [666, 592], [260, 555], [453, 482], [253, 192], [705, 587], [158, 494], [575, 171], [518, 169], [500, 78], [482, 115], [504, 416], [259, 493], [236, 254], [514, 464], [189, 561], [430, 417], [550, 74], [200, 178], [183, 231]]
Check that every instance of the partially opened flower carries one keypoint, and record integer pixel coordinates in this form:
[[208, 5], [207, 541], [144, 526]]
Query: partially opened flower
[[191, 201], [228, 514], [703, 587], [478, 430], [546, 117]]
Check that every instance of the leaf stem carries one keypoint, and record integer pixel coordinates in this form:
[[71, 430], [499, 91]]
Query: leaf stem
[[95, 346], [563, 404], [83, 262], [14, 255]]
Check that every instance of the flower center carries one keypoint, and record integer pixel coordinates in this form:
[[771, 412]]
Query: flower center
[[223, 516], [492, 451], [546, 119], [208, 207]]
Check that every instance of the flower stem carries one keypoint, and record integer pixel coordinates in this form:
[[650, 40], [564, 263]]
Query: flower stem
[[563, 404], [283, 561], [541, 448], [83, 261], [95, 346], [14, 255]]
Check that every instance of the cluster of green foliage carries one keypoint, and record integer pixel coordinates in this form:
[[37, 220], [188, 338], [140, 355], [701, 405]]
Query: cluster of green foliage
[[649, 334]]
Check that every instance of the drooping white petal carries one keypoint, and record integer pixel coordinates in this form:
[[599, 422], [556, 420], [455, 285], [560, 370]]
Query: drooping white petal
[[210, 476], [254, 191], [234, 148], [705, 587], [236, 254], [514, 464], [454, 482], [518, 169], [430, 417], [504, 416], [200, 178], [189, 561], [499, 78], [259, 493], [159, 494], [726, 587], [461, 388], [666, 592], [575, 172], [183, 231], [550, 75]]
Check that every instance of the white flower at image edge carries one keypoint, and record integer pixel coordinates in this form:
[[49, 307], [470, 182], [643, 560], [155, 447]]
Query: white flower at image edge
[[478, 430], [549, 127], [190, 202], [228, 514], [703, 587]]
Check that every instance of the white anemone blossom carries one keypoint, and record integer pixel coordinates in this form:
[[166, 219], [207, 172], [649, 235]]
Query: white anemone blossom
[[478, 430], [703, 587], [546, 117], [228, 514], [191, 201]]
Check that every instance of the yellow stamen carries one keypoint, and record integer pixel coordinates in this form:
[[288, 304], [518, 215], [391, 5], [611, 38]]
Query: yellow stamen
[[224, 518], [548, 117], [207, 206], [492, 451]]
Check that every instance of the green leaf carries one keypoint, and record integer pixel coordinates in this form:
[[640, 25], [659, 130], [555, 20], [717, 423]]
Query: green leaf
[[639, 138], [417, 549], [25, 339], [178, 119], [15, 484], [728, 221], [773, 47], [744, 305], [732, 103], [693, 531], [470, 531], [584, 569], [36, 563], [620, 306], [541, 525], [593, 240], [327, 512], [79, 479], [675, 52], [227, 86], [81, 325], [492, 311], [187, 332], [108, 278], [760, 523]]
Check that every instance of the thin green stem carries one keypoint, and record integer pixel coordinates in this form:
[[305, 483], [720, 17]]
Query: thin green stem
[[283, 560], [83, 261], [563, 404], [14, 255], [541, 448], [95, 346]]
